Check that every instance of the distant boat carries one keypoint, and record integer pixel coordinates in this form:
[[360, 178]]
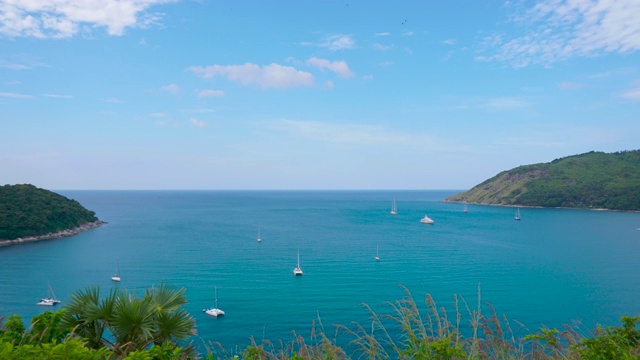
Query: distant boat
[[259, 238], [427, 220], [215, 312], [517, 214], [298, 270], [116, 276], [377, 254], [394, 209], [49, 301], [464, 208]]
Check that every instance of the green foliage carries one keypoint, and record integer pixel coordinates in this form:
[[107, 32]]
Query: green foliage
[[591, 180], [71, 349], [612, 342], [90, 329], [26, 210], [13, 330], [125, 323]]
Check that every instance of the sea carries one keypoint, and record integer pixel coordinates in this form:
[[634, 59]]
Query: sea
[[551, 268]]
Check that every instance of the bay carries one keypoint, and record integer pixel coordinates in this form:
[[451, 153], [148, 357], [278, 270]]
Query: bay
[[555, 266]]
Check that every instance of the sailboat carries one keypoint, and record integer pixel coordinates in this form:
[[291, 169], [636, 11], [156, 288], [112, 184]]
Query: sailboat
[[215, 312], [464, 208], [394, 209], [377, 254], [259, 238], [116, 276], [49, 301], [427, 220], [298, 270], [517, 214]]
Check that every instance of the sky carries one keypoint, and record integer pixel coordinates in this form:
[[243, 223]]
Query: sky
[[293, 95]]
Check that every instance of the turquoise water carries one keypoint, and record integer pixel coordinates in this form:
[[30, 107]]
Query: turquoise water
[[556, 266]]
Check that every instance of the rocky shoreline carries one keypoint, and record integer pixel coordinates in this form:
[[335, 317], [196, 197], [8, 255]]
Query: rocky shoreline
[[59, 234]]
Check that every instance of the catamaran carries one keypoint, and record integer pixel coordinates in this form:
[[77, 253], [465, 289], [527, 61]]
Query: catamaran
[[427, 220], [49, 301], [215, 312], [298, 270], [116, 276], [394, 209]]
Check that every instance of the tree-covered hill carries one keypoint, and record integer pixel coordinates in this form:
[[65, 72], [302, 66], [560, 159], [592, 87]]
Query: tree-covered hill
[[590, 180], [26, 210]]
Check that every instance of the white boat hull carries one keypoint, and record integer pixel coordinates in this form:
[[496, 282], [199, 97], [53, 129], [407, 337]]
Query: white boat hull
[[214, 312], [427, 220], [48, 302]]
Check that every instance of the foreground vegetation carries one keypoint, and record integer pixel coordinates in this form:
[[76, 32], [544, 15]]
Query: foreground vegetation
[[154, 326], [26, 210], [591, 180]]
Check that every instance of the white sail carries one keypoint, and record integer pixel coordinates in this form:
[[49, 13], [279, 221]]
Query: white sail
[[298, 270]]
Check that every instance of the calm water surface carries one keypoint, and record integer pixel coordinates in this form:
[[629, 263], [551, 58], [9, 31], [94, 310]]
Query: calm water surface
[[552, 267]]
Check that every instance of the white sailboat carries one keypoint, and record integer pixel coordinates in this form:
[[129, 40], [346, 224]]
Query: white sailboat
[[377, 254], [215, 312], [394, 209], [298, 270], [464, 208], [427, 220], [116, 276], [259, 238], [49, 301], [517, 214]]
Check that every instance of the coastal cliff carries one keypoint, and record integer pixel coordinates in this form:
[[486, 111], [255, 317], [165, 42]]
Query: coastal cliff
[[590, 180], [29, 214]]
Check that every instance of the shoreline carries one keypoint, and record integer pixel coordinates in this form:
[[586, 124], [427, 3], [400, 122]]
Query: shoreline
[[55, 235], [538, 207]]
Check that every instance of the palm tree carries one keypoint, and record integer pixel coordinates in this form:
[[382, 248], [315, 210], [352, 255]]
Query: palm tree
[[125, 323]]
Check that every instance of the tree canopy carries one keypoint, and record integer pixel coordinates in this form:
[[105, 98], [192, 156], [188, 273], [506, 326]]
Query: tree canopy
[[590, 180], [26, 210]]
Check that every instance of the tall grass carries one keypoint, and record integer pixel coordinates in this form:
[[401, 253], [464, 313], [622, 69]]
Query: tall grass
[[427, 331]]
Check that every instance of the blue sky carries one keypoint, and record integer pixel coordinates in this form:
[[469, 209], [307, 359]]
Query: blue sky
[[157, 94]]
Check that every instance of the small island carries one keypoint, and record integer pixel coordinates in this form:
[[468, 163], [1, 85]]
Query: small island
[[594, 180], [28, 214]]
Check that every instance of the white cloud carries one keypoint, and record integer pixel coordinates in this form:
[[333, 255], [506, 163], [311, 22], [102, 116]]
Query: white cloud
[[449, 42], [270, 76], [633, 94], [197, 123], [557, 30], [210, 93], [568, 85], [113, 101], [338, 42], [57, 96], [383, 34], [13, 66], [505, 103], [64, 18], [172, 89], [381, 47], [342, 133], [359, 135], [339, 67], [15, 95]]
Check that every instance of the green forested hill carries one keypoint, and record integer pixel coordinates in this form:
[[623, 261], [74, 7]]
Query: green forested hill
[[591, 180], [26, 210]]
